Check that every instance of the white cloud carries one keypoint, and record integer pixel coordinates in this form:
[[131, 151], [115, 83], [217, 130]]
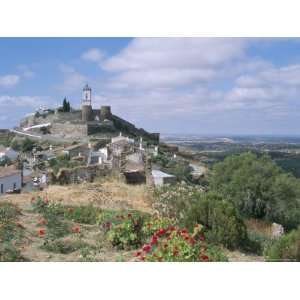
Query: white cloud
[[93, 55], [15, 102], [169, 62], [72, 80], [8, 81], [25, 71]]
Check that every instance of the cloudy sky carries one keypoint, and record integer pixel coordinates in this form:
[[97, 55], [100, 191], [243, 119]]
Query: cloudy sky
[[170, 85]]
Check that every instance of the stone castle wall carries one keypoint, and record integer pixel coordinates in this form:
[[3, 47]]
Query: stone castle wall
[[68, 129]]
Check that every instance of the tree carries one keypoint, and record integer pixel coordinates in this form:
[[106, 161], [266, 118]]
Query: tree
[[258, 188], [66, 106], [27, 145], [220, 218]]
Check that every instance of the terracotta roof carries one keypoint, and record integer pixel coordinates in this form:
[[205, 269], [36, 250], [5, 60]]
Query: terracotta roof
[[8, 171]]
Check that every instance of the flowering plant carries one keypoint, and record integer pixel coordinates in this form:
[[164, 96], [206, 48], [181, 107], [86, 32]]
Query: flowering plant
[[126, 234], [152, 225], [178, 245]]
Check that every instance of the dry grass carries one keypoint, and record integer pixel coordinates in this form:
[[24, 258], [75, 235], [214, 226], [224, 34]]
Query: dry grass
[[109, 193], [260, 227]]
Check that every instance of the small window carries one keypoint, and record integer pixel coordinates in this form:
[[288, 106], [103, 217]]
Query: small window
[[15, 186], [1, 190]]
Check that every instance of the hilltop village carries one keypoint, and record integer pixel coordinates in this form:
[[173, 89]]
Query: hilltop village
[[65, 146]]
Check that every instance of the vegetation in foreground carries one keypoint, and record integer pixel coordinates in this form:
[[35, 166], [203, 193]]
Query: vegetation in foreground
[[245, 194]]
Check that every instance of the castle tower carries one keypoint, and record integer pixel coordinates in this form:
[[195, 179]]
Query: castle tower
[[86, 104], [105, 113]]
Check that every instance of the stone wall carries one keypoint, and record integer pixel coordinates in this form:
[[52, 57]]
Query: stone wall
[[68, 129], [79, 174]]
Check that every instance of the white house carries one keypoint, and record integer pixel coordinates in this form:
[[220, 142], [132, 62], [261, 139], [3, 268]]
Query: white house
[[10, 179], [161, 178], [8, 153]]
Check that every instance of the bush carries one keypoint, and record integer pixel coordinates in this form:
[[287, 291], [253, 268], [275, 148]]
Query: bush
[[9, 253], [175, 245], [63, 247], [8, 212], [53, 215], [27, 145], [153, 224], [174, 201], [82, 214], [219, 218], [258, 188], [127, 234], [9, 228], [286, 248]]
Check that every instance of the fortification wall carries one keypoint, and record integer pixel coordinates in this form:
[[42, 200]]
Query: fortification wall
[[68, 129]]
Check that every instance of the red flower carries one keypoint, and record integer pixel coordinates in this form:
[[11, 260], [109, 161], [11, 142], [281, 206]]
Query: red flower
[[172, 228], [142, 258], [41, 232], [184, 231], [175, 253], [46, 201], [154, 240], [76, 229], [138, 253], [147, 248], [192, 241], [161, 232], [204, 257], [202, 237]]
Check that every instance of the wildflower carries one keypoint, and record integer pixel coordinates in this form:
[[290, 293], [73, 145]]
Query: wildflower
[[138, 253], [41, 232], [175, 253], [154, 240], [161, 232], [142, 258], [172, 228], [204, 257], [147, 248], [202, 237], [76, 229]]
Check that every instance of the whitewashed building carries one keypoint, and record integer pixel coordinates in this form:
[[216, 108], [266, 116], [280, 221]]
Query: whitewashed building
[[9, 153], [10, 179], [161, 178]]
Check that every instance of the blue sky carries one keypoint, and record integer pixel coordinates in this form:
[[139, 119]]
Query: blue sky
[[170, 85]]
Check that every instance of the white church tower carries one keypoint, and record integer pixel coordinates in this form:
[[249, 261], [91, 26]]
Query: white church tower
[[87, 96]]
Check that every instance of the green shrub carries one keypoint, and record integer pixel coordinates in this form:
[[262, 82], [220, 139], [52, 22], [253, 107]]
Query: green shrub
[[286, 248], [8, 211], [128, 233], [9, 253], [63, 247], [9, 228], [54, 217], [220, 219], [258, 188], [82, 214]]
